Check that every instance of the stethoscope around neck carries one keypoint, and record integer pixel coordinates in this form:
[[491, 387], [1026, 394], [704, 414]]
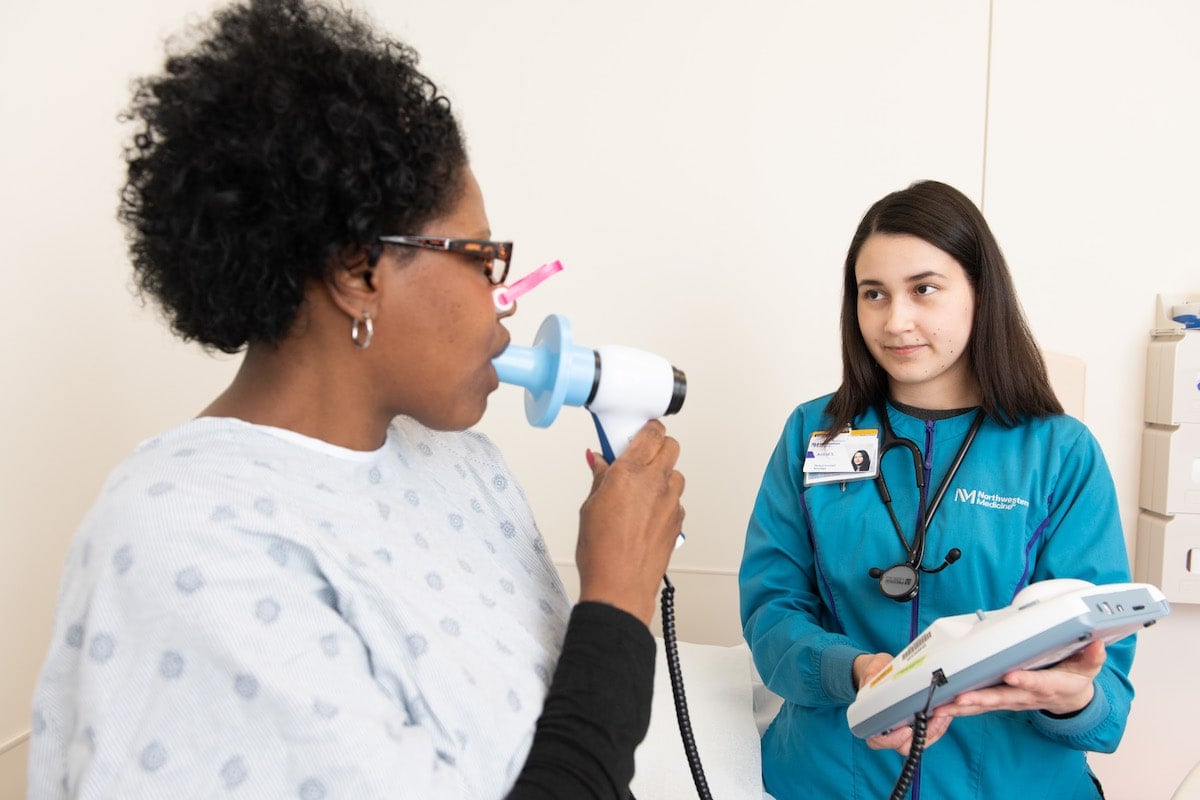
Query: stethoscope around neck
[[902, 581]]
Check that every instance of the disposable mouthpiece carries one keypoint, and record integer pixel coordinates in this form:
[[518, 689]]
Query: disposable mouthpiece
[[505, 296], [555, 371]]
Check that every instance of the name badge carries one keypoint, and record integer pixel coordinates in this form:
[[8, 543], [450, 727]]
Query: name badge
[[849, 456]]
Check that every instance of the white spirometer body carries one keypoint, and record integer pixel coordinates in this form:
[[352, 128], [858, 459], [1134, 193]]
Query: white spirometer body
[[1046, 622]]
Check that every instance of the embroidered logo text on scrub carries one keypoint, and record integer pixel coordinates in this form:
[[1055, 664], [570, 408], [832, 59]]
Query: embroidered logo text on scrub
[[978, 497]]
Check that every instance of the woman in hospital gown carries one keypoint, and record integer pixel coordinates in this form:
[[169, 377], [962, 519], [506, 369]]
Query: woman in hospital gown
[[326, 585]]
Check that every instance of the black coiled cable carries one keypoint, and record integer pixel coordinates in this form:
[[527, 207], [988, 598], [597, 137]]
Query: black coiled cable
[[681, 710], [914, 757], [917, 746]]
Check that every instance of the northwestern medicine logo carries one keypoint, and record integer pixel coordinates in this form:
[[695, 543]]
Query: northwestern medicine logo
[[977, 497]]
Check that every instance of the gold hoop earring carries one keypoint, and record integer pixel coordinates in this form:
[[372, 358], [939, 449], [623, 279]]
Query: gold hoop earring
[[368, 332]]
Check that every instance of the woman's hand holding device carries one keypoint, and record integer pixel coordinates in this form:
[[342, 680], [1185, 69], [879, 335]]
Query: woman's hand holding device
[[629, 523], [866, 667], [1063, 689]]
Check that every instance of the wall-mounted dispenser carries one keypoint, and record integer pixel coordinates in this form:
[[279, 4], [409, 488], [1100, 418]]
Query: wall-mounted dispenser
[[1168, 536]]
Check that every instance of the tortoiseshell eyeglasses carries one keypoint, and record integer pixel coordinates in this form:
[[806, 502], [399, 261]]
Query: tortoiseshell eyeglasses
[[494, 255]]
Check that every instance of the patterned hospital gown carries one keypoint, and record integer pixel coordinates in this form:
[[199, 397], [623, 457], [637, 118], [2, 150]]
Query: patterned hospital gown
[[247, 612]]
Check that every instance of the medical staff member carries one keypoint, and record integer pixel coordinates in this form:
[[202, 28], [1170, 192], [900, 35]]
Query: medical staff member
[[936, 351]]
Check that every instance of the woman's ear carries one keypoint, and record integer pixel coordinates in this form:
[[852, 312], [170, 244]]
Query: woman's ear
[[350, 281]]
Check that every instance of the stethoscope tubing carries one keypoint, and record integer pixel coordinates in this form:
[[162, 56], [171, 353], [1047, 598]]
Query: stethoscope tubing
[[916, 550]]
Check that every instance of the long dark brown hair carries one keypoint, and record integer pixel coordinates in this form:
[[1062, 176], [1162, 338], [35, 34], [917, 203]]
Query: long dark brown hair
[[1002, 353]]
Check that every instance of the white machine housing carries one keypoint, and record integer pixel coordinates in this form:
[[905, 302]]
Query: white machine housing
[[1046, 622], [633, 386]]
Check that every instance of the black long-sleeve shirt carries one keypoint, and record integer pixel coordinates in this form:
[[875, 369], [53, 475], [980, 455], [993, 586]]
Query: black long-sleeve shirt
[[597, 710]]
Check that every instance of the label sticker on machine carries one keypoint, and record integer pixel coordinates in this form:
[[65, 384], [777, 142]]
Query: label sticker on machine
[[849, 456]]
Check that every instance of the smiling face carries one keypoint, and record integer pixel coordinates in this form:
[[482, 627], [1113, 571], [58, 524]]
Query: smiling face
[[915, 310], [436, 323]]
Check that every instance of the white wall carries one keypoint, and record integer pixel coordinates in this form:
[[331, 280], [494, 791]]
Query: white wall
[[698, 168], [1092, 169]]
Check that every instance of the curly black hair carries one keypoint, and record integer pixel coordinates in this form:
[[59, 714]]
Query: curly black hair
[[289, 134]]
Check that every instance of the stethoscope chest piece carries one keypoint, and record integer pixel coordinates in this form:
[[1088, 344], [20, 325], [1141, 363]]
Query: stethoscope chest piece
[[899, 582]]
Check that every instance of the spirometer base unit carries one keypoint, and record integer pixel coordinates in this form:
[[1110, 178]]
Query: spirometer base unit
[[1046, 622]]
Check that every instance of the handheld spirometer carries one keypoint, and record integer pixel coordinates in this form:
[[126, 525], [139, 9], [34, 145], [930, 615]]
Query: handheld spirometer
[[623, 389]]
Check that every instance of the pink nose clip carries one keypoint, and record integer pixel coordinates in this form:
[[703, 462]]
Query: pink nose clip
[[505, 296]]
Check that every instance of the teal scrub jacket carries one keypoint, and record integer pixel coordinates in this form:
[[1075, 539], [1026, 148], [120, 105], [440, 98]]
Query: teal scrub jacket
[[1028, 503]]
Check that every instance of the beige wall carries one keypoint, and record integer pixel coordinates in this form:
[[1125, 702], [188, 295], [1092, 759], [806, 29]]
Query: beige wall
[[698, 168]]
